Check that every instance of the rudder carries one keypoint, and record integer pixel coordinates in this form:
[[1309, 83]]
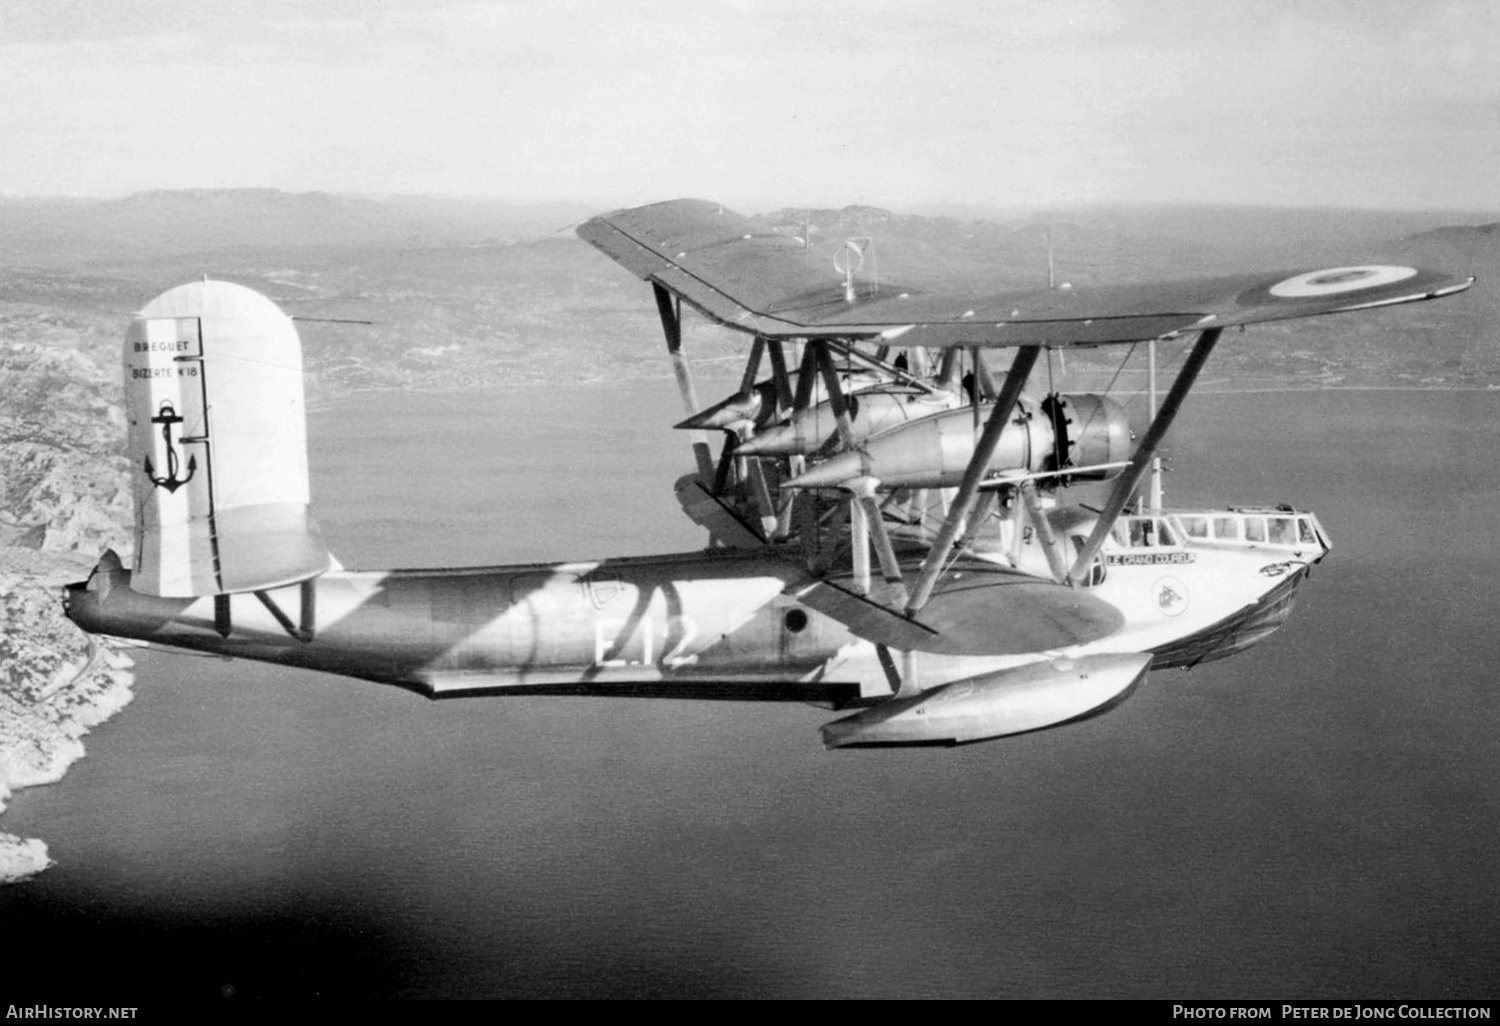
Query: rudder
[[218, 443]]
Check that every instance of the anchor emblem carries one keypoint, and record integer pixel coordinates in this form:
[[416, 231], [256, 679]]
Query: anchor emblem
[[167, 416]]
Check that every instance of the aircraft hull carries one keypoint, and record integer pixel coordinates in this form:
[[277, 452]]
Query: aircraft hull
[[701, 625], [533, 627]]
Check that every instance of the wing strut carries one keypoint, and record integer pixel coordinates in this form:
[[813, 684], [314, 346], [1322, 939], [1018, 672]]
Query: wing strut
[[835, 393], [671, 325], [948, 369], [982, 374], [784, 401], [982, 510], [867, 526], [752, 365], [806, 372], [1155, 503], [304, 631], [1056, 561], [879, 363], [779, 375], [746, 470], [866, 522], [963, 503], [1145, 453], [859, 545]]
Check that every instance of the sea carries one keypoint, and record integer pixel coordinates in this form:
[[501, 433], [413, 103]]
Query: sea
[[1314, 818]]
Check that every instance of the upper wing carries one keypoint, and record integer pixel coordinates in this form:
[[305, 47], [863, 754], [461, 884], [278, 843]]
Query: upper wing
[[762, 282]]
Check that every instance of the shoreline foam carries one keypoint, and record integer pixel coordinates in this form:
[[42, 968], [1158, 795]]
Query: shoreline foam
[[41, 739]]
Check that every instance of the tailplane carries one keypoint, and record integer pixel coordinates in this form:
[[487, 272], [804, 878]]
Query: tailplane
[[218, 443]]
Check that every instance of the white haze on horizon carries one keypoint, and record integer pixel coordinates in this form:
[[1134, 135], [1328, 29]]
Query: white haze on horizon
[[1391, 104]]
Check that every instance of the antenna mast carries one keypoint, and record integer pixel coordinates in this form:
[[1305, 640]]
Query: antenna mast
[[1155, 493]]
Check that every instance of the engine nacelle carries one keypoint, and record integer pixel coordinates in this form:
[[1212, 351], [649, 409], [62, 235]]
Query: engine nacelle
[[871, 412], [1062, 431], [1087, 430]]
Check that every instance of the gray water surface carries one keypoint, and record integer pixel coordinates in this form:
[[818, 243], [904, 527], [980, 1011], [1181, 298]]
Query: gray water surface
[[1314, 818]]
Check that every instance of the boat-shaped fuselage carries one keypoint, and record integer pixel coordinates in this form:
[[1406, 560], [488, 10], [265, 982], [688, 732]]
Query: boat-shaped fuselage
[[1190, 586]]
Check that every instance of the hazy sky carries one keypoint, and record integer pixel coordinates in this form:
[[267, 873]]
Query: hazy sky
[[1343, 102]]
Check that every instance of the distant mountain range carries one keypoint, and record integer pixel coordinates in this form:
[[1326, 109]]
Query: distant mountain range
[[1172, 240], [472, 292], [159, 223]]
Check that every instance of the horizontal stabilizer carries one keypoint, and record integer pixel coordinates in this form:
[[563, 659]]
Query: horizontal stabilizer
[[747, 277], [1013, 701], [977, 611]]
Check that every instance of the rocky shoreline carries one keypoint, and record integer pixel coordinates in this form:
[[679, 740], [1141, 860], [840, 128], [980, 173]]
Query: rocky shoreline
[[55, 685]]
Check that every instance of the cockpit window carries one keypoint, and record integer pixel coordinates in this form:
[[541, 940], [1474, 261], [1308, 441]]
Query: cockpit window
[[1290, 531], [1145, 532], [1283, 531], [1142, 533]]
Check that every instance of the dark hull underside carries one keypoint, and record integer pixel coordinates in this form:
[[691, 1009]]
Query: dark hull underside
[[823, 695], [1236, 633]]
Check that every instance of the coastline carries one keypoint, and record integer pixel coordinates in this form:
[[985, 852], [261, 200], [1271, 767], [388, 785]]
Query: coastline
[[41, 731]]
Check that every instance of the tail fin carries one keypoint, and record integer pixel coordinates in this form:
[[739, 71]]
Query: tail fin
[[218, 439]]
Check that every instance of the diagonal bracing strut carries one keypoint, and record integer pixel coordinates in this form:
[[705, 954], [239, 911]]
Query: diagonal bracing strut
[[968, 489], [1141, 461]]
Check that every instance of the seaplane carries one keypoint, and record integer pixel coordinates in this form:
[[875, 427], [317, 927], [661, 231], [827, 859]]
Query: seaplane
[[890, 529]]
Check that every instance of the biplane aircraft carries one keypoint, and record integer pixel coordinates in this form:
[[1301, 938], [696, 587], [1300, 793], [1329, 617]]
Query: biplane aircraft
[[887, 535]]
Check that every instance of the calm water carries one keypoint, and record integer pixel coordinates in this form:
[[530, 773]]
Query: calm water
[[1316, 817]]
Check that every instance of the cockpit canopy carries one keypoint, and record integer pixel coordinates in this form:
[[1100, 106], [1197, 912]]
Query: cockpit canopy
[[1236, 526], [1276, 527]]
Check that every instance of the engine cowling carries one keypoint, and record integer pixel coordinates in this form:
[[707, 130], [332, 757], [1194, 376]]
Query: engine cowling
[[1087, 430], [1062, 431]]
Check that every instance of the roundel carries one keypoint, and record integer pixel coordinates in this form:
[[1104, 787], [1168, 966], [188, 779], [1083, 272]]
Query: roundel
[[1170, 596], [1333, 280]]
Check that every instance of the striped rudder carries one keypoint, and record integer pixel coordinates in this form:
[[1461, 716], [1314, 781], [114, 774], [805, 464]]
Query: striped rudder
[[218, 440]]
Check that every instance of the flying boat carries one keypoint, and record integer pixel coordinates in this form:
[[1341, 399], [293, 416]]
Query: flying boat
[[890, 528]]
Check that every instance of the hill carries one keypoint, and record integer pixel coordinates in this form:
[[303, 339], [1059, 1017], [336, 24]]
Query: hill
[[147, 225]]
